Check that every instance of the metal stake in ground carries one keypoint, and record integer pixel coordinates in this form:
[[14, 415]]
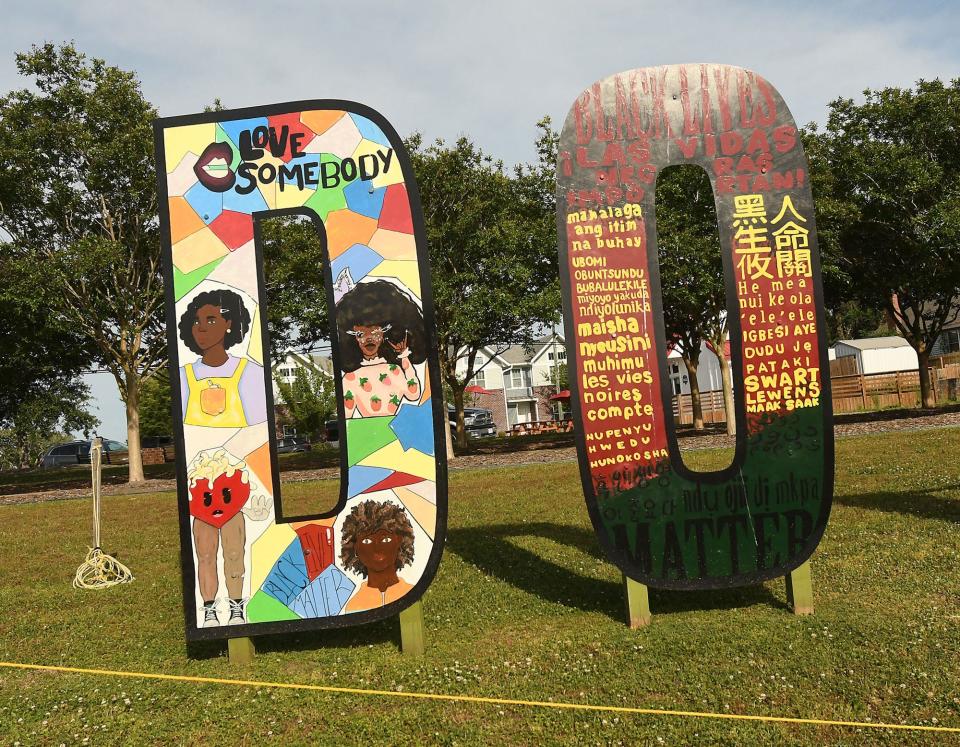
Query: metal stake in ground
[[99, 570]]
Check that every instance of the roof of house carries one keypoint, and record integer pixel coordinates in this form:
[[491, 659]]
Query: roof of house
[[518, 355], [876, 343]]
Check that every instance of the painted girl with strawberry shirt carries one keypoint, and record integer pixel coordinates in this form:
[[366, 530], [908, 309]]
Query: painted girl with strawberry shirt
[[381, 340]]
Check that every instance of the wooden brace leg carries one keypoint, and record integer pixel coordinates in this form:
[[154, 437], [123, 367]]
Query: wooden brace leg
[[800, 590], [638, 603], [241, 650], [412, 630]]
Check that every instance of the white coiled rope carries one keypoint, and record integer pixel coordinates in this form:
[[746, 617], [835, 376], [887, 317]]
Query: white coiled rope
[[99, 570]]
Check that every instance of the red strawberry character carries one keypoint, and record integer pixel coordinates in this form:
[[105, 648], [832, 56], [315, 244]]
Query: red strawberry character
[[218, 503]]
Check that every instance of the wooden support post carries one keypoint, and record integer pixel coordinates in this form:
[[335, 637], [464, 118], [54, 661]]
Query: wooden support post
[[800, 590], [863, 390], [241, 650], [413, 630], [638, 603]]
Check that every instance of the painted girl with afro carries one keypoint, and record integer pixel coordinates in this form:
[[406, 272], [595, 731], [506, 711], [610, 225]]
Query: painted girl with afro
[[376, 542], [382, 338]]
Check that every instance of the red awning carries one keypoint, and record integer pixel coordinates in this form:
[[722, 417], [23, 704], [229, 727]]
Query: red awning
[[474, 389], [562, 394]]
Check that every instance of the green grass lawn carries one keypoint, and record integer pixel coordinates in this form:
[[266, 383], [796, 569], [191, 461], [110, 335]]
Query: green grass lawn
[[61, 478], [523, 607]]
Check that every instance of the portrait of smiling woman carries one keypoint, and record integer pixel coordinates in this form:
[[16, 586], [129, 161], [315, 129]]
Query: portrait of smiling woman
[[218, 389], [377, 541], [382, 339]]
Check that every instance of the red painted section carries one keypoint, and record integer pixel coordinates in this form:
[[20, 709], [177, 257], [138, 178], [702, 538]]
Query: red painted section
[[218, 503], [395, 215], [396, 480], [317, 543], [621, 407], [233, 229], [292, 121]]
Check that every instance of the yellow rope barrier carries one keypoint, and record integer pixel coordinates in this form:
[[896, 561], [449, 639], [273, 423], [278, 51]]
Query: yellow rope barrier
[[483, 700]]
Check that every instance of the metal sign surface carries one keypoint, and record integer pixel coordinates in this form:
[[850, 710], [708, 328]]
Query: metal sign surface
[[249, 567], [661, 523]]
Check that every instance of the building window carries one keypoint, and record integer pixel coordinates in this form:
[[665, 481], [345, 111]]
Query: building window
[[561, 355], [480, 378], [950, 341], [519, 377]]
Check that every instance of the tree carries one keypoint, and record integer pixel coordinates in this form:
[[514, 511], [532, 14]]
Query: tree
[[41, 419], [42, 358], [78, 200], [559, 376], [297, 314], [691, 277], [886, 174], [156, 417], [310, 401], [492, 240]]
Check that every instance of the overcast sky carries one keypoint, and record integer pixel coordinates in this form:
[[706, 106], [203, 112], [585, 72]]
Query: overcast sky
[[486, 69]]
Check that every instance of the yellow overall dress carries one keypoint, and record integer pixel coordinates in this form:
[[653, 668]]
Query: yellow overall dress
[[215, 401]]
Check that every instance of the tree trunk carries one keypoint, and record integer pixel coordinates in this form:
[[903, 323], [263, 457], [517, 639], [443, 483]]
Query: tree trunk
[[449, 433], [728, 407], [132, 401], [695, 401], [461, 427], [926, 388]]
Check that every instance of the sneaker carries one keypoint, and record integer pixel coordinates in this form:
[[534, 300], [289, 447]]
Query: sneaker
[[236, 612], [210, 619]]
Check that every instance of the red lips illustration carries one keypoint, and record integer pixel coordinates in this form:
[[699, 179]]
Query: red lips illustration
[[213, 167], [218, 503]]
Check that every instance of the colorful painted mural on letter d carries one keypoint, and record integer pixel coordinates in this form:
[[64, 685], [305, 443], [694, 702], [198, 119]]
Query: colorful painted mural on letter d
[[248, 567]]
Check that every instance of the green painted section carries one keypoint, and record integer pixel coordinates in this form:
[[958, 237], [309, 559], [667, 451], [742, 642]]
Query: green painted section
[[679, 529], [325, 201], [222, 137], [264, 608], [184, 282], [367, 435]]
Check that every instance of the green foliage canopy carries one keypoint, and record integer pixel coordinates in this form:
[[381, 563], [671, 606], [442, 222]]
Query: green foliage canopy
[[887, 184], [492, 240]]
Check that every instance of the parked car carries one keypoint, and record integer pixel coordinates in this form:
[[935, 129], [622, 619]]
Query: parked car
[[332, 432], [478, 421], [78, 452], [292, 444]]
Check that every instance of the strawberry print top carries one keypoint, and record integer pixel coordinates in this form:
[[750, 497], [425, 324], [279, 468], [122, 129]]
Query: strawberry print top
[[377, 388]]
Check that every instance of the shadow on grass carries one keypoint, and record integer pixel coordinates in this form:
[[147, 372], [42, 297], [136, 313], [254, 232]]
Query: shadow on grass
[[382, 631], [490, 550], [923, 505]]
